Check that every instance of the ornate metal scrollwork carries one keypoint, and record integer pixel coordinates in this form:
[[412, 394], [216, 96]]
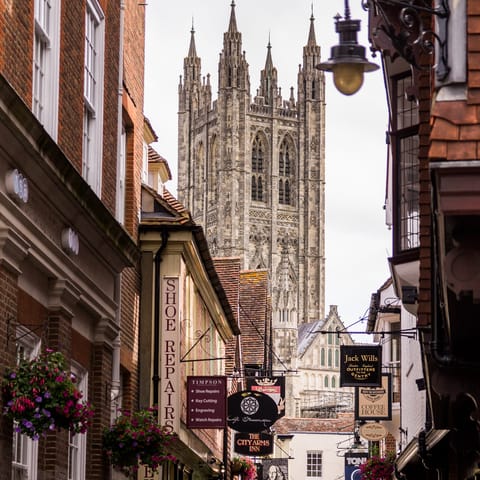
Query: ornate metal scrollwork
[[403, 28]]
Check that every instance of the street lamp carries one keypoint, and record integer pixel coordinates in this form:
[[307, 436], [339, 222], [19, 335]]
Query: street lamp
[[399, 27], [347, 61]]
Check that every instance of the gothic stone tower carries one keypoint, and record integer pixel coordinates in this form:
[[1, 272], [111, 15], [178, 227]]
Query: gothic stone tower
[[252, 173]]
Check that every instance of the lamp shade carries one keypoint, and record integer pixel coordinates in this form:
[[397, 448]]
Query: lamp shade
[[347, 59]]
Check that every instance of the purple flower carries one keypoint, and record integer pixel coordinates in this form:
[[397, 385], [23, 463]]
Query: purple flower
[[39, 399], [13, 375], [46, 395]]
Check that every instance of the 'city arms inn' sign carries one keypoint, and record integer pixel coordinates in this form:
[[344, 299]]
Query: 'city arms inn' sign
[[360, 365]]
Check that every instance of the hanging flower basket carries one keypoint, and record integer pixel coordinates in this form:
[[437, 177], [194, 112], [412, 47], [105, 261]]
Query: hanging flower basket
[[137, 439], [244, 466], [378, 468], [41, 396]]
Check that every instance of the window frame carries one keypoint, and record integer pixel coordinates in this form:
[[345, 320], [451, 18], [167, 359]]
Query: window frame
[[314, 468], [93, 95], [46, 69], [405, 128], [122, 176], [29, 341], [78, 442]]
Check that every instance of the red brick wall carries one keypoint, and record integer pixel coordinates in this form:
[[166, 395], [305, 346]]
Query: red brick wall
[[133, 80], [16, 45], [72, 52]]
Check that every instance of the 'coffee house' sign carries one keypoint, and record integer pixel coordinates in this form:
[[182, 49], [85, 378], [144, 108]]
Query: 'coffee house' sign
[[360, 365]]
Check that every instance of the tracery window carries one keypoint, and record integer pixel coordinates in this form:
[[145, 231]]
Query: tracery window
[[285, 172], [258, 170]]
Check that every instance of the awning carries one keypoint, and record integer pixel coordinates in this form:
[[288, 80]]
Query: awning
[[410, 453]]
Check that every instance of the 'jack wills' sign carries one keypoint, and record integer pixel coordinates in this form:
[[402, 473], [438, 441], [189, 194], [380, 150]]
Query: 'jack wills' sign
[[360, 365], [170, 352]]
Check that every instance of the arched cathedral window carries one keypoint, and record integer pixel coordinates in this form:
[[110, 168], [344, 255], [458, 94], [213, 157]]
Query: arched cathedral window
[[258, 170], [286, 168], [212, 172]]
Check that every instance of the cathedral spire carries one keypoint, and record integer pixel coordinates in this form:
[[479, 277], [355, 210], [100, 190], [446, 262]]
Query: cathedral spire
[[232, 27], [192, 51], [268, 61], [233, 67], [268, 78], [312, 41]]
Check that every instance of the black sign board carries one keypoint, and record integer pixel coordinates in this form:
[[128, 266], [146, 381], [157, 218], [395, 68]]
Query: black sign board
[[360, 365], [353, 460], [272, 386], [253, 444], [206, 400], [251, 411], [374, 403]]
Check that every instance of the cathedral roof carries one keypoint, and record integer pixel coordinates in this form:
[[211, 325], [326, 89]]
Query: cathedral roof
[[307, 332]]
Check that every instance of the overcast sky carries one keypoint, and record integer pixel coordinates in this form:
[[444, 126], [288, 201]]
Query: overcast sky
[[358, 242]]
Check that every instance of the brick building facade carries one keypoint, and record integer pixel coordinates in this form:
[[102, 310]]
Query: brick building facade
[[71, 163]]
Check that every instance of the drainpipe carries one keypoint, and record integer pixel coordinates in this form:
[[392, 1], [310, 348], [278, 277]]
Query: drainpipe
[[156, 319], [115, 392]]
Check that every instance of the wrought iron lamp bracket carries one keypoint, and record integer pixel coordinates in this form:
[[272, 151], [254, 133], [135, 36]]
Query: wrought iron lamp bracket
[[403, 23]]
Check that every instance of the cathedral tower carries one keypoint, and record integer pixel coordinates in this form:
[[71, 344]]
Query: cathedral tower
[[252, 173]]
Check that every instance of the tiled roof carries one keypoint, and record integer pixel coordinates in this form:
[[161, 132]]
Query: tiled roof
[[163, 209], [228, 270], [455, 133], [344, 423], [254, 316]]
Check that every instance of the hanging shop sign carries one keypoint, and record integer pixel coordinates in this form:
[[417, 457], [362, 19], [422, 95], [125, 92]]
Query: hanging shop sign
[[374, 403], [251, 412], [271, 386], [373, 431], [360, 365], [170, 404], [253, 444], [207, 402], [353, 460]]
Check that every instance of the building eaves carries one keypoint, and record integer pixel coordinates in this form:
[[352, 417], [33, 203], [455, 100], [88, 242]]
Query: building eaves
[[155, 157], [173, 216], [45, 162]]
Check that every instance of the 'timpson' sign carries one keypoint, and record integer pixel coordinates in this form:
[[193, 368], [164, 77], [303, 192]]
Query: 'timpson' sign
[[170, 348]]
